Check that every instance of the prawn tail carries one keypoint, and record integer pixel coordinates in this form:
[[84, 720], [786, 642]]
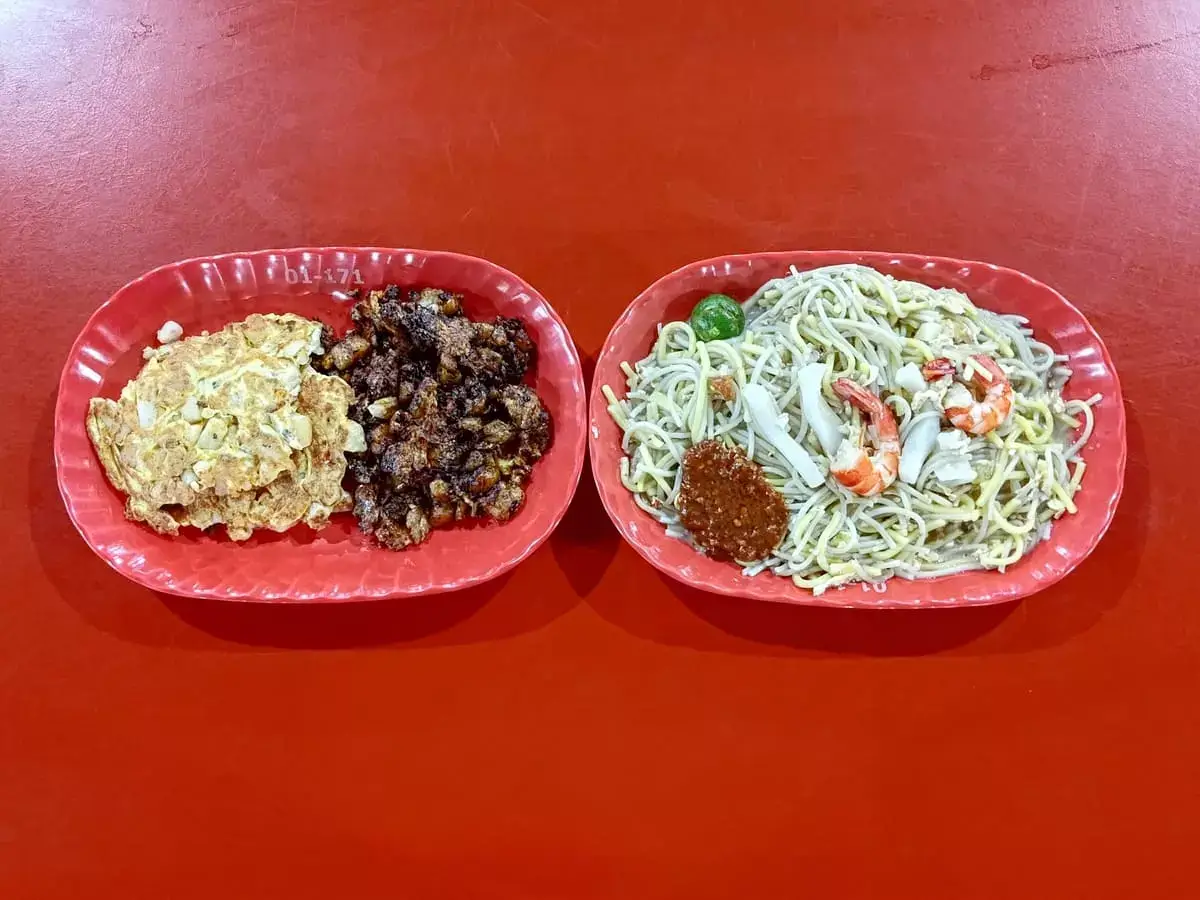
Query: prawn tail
[[937, 368]]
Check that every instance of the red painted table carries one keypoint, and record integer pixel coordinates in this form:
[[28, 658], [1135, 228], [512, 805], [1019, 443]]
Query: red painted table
[[582, 728]]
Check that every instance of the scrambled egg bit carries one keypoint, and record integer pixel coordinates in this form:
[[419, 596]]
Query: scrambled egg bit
[[233, 427]]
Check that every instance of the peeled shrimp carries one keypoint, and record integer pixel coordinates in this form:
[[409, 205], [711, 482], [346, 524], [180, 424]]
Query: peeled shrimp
[[963, 408], [937, 368], [860, 472]]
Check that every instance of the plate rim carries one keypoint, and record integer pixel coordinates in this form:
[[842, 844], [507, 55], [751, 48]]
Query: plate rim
[[578, 447], [744, 587]]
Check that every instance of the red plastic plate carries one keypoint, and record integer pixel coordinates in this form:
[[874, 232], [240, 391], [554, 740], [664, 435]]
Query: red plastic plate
[[1053, 319], [338, 563]]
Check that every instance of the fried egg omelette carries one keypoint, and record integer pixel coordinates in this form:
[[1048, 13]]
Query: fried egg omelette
[[230, 428]]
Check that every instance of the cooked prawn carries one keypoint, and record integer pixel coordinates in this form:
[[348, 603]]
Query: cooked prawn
[[860, 472], [937, 368], [965, 410]]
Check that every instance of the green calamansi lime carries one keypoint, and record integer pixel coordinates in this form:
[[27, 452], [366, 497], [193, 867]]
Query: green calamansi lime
[[718, 317]]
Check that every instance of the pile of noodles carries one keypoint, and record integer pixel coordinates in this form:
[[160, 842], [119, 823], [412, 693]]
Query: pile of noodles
[[864, 326]]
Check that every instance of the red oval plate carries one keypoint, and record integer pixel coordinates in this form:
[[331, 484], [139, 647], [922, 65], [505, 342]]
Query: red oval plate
[[338, 563], [1053, 319]]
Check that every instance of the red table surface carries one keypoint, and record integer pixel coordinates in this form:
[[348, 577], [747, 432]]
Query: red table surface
[[583, 728]]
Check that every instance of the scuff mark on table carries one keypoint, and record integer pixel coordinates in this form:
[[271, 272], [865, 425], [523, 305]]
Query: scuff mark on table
[[1041, 61]]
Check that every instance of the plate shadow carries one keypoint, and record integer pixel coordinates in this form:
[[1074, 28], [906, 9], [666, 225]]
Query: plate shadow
[[676, 614], [130, 612]]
